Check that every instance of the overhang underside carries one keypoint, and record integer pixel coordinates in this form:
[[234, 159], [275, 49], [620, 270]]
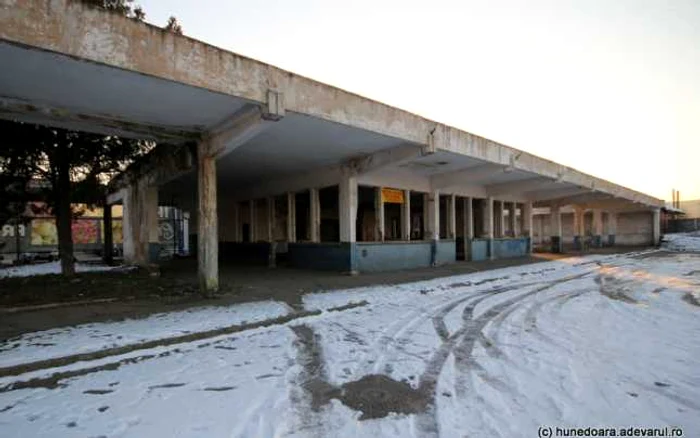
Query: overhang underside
[[44, 87]]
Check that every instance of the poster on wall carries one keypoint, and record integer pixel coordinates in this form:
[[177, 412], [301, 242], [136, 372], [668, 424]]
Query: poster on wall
[[43, 232], [84, 231]]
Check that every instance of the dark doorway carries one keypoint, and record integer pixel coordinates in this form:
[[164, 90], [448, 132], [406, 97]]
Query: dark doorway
[[330, 223], [302, 201]]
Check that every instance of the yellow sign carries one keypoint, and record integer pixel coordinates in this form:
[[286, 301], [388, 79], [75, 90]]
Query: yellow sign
[[392, 196]]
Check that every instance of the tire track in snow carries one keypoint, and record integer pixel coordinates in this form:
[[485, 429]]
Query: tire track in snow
[[462, 343]]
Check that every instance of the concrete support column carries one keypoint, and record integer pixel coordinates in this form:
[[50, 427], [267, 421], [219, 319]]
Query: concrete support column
[[433, 223], [468, 218], [489, 224], [597, 228], [656, 227], [140, 224], [527, 224], [578, 228], [556, 229], [501, 219], [347, 212], [253, 219], [426, 213], [378, 215], [315, 213], [512, 210], [451, 217], [612, 227], [406, 216], [347, 207], [291, 218], [272, 256], [468, 232], [207, 221]]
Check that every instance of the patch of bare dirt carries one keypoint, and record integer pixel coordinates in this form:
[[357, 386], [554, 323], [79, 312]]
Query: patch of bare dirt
[[377, 395]]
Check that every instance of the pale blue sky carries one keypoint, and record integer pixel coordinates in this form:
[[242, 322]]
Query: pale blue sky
[[610, 87]]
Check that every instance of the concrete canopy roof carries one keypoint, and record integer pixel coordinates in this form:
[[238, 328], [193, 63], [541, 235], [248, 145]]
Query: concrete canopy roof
[[70, 65]]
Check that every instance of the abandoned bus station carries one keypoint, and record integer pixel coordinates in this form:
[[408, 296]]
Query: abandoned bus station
[[270, 165]]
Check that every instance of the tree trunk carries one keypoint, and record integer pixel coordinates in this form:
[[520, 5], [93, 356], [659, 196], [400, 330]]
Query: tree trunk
[[64, 219], [108, 241]]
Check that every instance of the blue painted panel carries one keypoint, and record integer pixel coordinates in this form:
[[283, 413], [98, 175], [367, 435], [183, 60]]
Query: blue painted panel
[[376, 257], [446, 252], [507, 248], [480, 249], [324, 256]]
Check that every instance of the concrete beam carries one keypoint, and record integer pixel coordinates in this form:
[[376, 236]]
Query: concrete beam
[[116, 197], [383, 159], [162, 164], [12, 108], [246, 123], [583, 198], [522, 186], [470, 175], [550, 195]]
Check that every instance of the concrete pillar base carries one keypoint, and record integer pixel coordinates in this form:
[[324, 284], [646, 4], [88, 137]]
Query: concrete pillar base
[[578, 243], [556, 244], [272, 256], [433, 252], [468, 250], [492, 256], [153, 252]]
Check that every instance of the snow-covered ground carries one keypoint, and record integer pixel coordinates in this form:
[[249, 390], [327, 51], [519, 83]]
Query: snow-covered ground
[[682, 241], [593, 341], [88, 338], [49, 268]]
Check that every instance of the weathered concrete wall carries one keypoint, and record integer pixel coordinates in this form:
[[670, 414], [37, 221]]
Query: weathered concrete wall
[[446, 252], [634, 228], [375, 257], [509, 248], [480, 249]]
